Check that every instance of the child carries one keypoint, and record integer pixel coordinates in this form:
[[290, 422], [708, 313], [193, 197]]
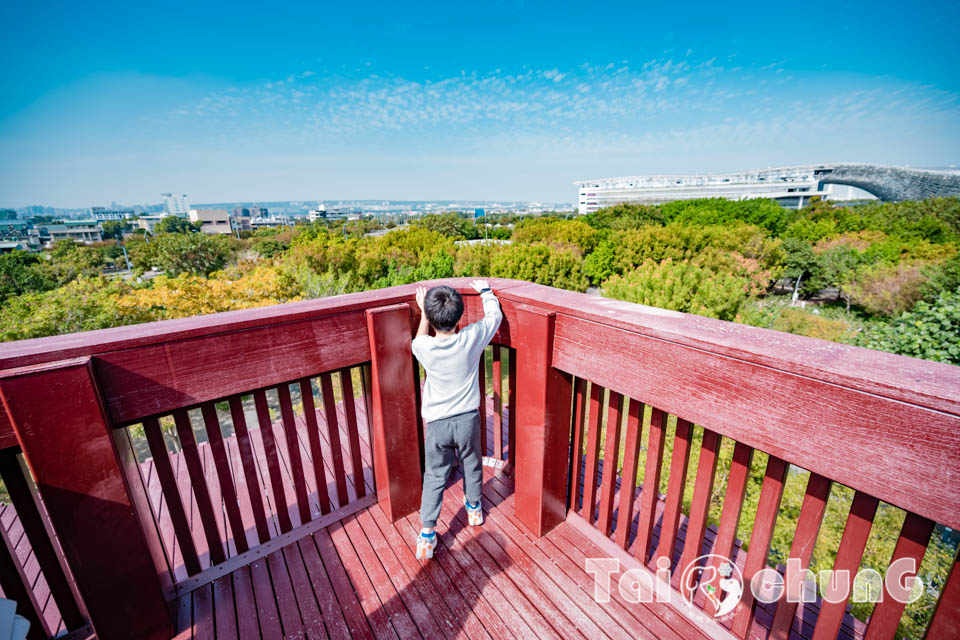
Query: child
[[451, 396]]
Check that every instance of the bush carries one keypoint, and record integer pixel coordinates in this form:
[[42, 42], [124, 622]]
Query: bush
[[448, 224], [888, 289], [622, 217], [555, 232], [21, 272], [539, 263], [194, 253], [931, 331], [681, 286], [805, 323]]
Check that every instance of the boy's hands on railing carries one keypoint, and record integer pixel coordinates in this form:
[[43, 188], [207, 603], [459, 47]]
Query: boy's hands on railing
[[479, 285], [421, 295]]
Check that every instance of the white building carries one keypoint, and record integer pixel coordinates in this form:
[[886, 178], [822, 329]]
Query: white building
[[177, 204], [790, 186], [148, 223], [212, 221], [102, 213], [84, 231]]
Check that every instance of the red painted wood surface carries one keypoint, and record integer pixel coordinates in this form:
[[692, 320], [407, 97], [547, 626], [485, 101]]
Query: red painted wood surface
[[808, 526], [198, 483], [421, 423], [245, 452], [350, 411], [651, 483], [768, 505], [675, 487], [576, 452], [273, 460], [631, 456], [293, 453], [611, 452], [946, 617], [497, 404], [333, 434], [316, 451], [700, 504], [171, 494], [544, 421], [588, 507], [849, 554], [17, 587], [512, 403], [911, 545], [227, 492], [16, 481], [732, 506], [83, 489], [393, 413], [482, 381]]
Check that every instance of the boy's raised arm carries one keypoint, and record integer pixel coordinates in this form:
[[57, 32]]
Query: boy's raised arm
[[492, 314]]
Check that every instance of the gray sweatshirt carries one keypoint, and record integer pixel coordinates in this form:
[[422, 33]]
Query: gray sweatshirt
[[452, 364]]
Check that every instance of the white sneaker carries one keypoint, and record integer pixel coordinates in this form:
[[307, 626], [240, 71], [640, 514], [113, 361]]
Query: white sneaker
[[474, 514], [425, 545]]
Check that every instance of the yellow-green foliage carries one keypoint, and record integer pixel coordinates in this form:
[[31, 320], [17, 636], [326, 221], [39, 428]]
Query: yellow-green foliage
[[886, 289], [555, 232], [806, 323], [541, 264], [681, 286]]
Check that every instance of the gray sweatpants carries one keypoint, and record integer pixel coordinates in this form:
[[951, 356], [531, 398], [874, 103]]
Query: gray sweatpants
[[449, 439]]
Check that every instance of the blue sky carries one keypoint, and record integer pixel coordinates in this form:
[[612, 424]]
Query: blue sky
[[113, 101]]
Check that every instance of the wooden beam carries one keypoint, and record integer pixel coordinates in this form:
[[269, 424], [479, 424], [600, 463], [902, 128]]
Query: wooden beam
[[79, 477], [543, 422], [393, 411]]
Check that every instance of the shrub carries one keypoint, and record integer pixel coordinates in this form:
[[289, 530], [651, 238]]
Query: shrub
[[931, 331], [888, 289], [622, 217], [559, 233], [805, 323], [539, 263], [681, 286], [194, 253], [21, 272]]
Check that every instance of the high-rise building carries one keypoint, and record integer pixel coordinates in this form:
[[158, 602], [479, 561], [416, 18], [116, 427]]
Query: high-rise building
[[177, 204]]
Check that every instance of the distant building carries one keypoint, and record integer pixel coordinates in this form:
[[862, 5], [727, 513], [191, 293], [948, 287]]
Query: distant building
[[322, 212], [103, 214], [177, 204], [8, 214], [83, 231], [15, 232], [149, 223], [10, 247], [242, 216], [212, 221]]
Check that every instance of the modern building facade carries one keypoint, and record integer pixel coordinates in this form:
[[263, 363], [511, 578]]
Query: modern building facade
[[102, 214], [212, 221], [790, 186], [149, 223], [84, 231], [177, 204]]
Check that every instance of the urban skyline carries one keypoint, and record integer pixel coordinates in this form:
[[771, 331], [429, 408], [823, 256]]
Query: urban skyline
[[512, 101]]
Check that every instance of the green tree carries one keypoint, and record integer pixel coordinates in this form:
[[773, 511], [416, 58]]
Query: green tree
[[931, 331], [70, 259], [195, 253], [451, 225], [541, 264], [556, 232], [175, 224], [21, 272], [114, 229]]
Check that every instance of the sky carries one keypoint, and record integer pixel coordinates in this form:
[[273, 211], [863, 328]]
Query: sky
[[255, 101]]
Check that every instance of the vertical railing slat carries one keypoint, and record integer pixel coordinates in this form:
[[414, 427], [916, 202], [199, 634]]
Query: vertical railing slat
[[945, 622], [171, 494], [333, 432], [350, 411], [24, 500], [628, 475], [17, 587], [313, 437], [497, 405], [418, 402], [249, 467], [198, 482], [512, 403], [576, 447], [588, 508], [730, 515], [849, 553], [611, 452], [228, 491], [651, 484], [273, 460], [482, 381], [911, 545], [675, 486], [768, 505], [808, 527], [700, 505], [293, 453]]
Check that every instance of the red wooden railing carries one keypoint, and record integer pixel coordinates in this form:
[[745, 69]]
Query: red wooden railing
[[299, 385]]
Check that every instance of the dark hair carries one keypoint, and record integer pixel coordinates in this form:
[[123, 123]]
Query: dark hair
[[443, 306]]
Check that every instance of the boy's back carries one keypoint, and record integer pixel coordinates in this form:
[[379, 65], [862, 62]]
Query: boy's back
[[452, 364]]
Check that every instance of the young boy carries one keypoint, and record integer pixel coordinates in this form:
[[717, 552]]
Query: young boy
[[451, 396]]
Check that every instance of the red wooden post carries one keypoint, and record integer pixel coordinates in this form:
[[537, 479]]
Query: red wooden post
[[393, 411], [60, 421], [543, 422]]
